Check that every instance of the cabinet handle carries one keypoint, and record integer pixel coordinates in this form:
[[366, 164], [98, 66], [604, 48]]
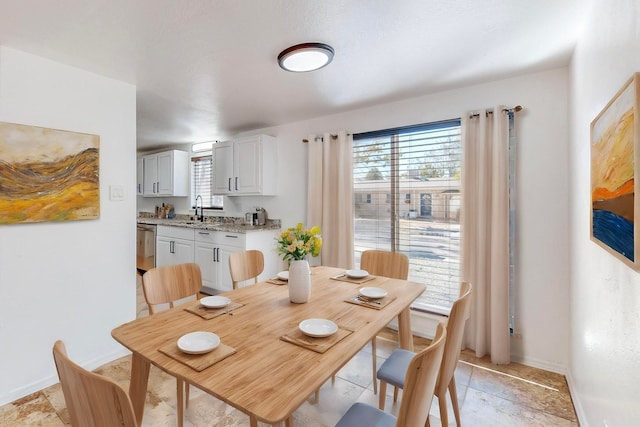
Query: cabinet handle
[[154, 188], [236, 183], [229, 183], [158, 187], [231, 236], [206, 233], [172, 247]]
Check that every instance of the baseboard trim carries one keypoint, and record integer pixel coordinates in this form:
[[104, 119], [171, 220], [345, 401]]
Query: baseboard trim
[[575, 398]]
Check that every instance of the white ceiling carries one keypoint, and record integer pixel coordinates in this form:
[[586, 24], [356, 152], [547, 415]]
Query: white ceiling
[[206, 69]]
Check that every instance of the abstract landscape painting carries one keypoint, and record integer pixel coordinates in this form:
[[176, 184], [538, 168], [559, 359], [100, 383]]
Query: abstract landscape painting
[[47, 175], [614, 151]]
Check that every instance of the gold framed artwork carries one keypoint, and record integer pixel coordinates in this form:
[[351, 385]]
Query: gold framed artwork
[[615, 158], [48, 175]]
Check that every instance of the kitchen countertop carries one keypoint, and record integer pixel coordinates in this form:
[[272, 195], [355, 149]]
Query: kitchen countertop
[[213, 226]]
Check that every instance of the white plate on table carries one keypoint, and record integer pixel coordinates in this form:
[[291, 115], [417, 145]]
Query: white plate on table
[[356, 274], [198, 342], [318, 327], [371, 292], [215, 301], [283, 275]]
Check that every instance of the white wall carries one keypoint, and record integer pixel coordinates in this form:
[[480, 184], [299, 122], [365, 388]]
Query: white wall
[[542, 183], [604, 363], [72, 280]]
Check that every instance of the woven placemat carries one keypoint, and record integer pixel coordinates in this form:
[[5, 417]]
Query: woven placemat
[[377, 303], [344, 278], [209, 313], [276, 281], [198, 362], [319, 345]]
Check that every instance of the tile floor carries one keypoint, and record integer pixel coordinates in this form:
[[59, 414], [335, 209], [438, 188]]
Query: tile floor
[[488, 395]]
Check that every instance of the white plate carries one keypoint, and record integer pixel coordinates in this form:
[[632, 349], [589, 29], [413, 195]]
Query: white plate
[[215, 301], [198, 342], [356, 274], [371, 292], [318, 327], [283, 275]]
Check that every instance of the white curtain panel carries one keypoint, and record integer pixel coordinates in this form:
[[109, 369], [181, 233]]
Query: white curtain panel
[[485, 231], [330, 196]]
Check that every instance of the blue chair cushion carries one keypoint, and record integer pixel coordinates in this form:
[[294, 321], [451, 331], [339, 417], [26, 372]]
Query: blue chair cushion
[[394, 369], [363, 415]]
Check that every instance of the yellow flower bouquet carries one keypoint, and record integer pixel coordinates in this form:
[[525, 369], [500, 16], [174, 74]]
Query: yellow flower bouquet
[[296, 242]]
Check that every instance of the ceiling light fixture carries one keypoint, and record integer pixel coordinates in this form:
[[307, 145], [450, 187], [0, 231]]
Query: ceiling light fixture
[[305, 57]]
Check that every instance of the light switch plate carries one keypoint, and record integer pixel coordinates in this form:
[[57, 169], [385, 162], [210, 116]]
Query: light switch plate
[[116, 192]]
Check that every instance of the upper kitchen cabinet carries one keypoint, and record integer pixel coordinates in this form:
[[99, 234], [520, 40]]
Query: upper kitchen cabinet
[[166, 174], [140, 176], [246, 166]]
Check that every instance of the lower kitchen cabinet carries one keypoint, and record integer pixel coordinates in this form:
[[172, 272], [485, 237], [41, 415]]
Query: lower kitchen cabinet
[[211, 249], [174, 245]]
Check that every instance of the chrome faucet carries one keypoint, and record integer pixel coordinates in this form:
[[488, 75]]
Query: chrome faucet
[[201, 216]]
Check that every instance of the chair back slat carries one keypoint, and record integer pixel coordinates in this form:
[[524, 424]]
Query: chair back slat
[[455, 331], [385, 263], [170, 283], [420, 382], [245, 265], [92, 400]]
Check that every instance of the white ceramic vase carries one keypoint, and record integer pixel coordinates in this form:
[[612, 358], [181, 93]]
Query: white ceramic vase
[[299, 281]]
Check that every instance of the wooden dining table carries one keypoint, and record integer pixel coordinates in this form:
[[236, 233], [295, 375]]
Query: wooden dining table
[[267, 377]]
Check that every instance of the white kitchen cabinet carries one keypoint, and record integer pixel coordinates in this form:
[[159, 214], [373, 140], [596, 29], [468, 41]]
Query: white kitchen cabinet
[[212, 249], [139, 176], [223, 175], [166, 174], [246, 166], [174, 245]]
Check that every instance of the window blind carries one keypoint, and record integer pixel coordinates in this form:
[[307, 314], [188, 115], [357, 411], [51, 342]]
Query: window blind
[[407, 199], [201, 182]]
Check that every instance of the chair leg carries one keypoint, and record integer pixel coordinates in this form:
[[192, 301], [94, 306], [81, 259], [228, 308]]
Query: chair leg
[[374, 364], [454, 400], [186, 395], [442, 403], [180, 401], [383, 394], [333, 379], [395, 394]]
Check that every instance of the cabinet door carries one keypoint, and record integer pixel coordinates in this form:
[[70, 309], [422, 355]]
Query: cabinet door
[[248, 166], [223, 180], [150, 167], [204, 257], [165, 174], [223, 276], [173, 251], [140, 176]]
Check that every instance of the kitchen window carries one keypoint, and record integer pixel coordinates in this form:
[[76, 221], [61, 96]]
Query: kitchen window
[[201, 182], [413, 176]]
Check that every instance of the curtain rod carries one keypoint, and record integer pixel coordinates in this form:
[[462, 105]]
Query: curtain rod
[[507, 110]]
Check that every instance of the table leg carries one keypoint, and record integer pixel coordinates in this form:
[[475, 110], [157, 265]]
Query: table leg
[[404, 329], [253, 422], [179, 401], [289, 421], [138, 385]]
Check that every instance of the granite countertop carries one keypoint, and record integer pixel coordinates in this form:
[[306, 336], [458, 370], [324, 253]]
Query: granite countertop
[[234, 227]]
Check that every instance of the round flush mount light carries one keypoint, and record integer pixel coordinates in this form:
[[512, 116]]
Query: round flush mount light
[[305, 57]]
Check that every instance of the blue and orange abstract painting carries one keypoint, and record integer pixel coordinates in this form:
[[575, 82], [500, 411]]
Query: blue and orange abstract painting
[[613, 138], [47, 175]]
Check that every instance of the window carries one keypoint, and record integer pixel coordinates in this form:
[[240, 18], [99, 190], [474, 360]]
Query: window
[[201, 180], [394, 164]]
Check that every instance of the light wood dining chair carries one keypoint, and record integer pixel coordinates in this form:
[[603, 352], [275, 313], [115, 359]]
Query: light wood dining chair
[[92, 399], [386, 264], [245, 265], [393, 369], [167, 285], [421, 375]]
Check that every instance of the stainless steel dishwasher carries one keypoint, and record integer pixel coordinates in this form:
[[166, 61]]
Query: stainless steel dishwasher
[[145, 247]]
